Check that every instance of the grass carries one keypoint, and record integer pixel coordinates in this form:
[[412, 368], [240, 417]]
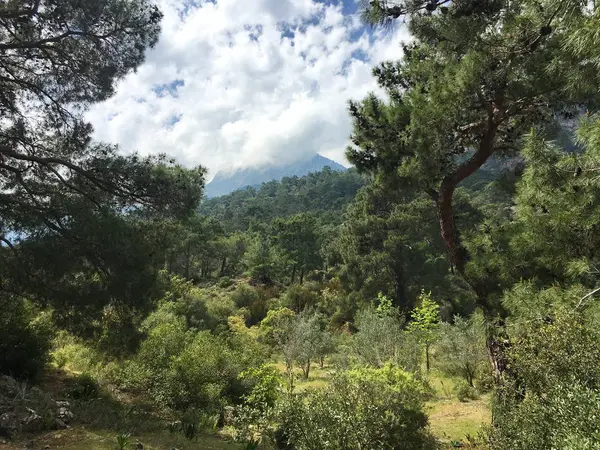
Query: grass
[[454, 421], [318, 378], [80, 438], [451, 419]]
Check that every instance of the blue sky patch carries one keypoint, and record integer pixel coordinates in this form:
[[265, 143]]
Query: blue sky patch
[[163, 90]]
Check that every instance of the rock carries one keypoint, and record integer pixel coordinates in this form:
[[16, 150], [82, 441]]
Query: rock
[[46, 446], [8, 386], [9, 423], [65, 415], [139, 446], [31, 421]]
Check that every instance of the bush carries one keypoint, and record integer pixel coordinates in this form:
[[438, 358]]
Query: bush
[[465, 392], [85, 387], [360, 409], [248, 298], [25, 339], [202, 373], [225, 282], [556, 402], [298, 298], [72, 353]]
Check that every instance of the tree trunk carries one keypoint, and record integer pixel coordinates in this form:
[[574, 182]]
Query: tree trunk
[[302, 275], [223, 265], [459, 256], [186, 272], [322, 361], [293, 275], [401, 300], [306, 370], [496, 340], [427, 364]]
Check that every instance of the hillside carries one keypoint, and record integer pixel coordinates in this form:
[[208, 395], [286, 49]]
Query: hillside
[[226, 182], [326, 191]]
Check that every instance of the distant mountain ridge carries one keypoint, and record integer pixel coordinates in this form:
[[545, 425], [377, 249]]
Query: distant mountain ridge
[[224, 183]]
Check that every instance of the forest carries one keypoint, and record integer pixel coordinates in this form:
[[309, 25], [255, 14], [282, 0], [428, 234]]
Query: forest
[[442, 293]]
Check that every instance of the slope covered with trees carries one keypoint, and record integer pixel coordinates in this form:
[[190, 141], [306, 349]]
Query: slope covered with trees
[[329, 311]]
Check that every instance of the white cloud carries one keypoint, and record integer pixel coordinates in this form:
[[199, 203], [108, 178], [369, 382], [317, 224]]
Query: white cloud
[[237, 83]]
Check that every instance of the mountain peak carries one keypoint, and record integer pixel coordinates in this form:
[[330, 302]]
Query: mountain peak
[[226, 182]]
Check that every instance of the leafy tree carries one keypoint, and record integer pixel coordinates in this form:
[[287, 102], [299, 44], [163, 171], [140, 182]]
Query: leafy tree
[[425, 322], [259, 258], [297, 238], [276, 327], [79, 219], [305, 343], [460, 350], [473, 81], [381, 339]]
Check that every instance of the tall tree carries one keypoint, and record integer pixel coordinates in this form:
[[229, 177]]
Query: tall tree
[[78, 220], [475, 78], [297, 238]]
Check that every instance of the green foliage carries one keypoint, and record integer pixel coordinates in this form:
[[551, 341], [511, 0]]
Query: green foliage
[[265, 382], [123, 441], [297, 239], [363, 408], [557, 362], [425, 321], [25, 338], [80, 220], [465, 392], [298, 298], [325, 192], [85, 387], [276, 327], [305, 343], [253, 419], [247, 297], [460, 350], [380, 339], [193, 422]]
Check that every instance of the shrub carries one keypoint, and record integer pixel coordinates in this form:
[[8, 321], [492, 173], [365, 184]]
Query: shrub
[[556, 403], [85, 387], [72, 353], [253, 419], [25, 339], [465, 392], [298, 298], [248, 298], [225, 282], [361, 409]]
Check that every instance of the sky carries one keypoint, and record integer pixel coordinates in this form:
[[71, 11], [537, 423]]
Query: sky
[[245, 83]]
